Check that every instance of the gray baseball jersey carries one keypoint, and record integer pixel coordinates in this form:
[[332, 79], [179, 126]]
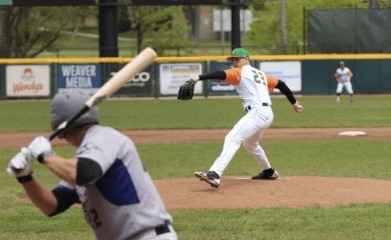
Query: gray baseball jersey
[[124, 201]]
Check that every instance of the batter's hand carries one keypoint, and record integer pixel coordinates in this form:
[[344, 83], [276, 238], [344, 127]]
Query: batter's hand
[[39, 146], [21, 164], [297, 107], [194, 80]]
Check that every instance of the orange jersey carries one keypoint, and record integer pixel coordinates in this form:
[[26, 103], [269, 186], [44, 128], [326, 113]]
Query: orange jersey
[[271, 83], [234, 77]]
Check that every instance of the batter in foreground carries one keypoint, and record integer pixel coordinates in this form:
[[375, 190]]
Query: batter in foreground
[[253, 86], [106, 176]]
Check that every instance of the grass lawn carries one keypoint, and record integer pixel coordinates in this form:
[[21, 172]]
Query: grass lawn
[[221, 113], [324, 158], [365, 159]]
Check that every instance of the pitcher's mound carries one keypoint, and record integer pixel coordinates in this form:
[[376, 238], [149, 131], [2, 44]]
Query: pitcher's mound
[[293, 191]]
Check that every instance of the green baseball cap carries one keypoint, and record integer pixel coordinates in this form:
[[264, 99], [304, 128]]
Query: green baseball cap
[[341, 63], [239, 52]]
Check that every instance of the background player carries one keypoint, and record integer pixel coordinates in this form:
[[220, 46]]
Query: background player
[[343, 76], [106, 175], [253, 86]]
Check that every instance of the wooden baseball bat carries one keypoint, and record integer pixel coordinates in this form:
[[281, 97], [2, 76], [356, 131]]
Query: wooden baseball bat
[[135, 66]]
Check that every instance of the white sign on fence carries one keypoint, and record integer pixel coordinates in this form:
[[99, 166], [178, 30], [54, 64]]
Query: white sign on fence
[[223, 18], [27, 80], [288, 72], [172, 76]]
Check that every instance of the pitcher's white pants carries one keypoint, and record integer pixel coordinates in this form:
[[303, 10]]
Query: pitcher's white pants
[[347, 85], [248, 131]]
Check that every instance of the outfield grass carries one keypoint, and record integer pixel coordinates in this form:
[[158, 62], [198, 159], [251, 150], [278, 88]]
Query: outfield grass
[[364, 221], [206, 113], [325, 158]]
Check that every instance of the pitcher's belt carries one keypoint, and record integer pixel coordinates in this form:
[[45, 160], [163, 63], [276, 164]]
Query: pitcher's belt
[[248, 108]]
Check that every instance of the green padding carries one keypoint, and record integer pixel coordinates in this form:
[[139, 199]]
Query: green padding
[[369, 76], [349, 31]]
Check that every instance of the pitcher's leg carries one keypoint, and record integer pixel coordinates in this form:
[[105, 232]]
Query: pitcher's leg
[[241, 131], [253, 147]]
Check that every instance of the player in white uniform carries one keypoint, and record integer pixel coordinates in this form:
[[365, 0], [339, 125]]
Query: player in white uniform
[[106, 176], [253, 86], [343, 76]]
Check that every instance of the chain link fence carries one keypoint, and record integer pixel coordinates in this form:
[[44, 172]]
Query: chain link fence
[[207, 50]]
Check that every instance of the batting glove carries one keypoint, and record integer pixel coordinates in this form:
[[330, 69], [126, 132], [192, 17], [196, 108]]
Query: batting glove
[[21, 165], [40, 148]]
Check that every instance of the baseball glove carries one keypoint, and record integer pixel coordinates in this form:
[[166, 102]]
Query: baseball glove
[[186, 91]]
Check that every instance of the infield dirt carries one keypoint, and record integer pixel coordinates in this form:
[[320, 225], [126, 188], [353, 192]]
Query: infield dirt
[[292, 191]]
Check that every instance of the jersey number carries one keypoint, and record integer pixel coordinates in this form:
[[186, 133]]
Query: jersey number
[[259, 78], [93, 218]]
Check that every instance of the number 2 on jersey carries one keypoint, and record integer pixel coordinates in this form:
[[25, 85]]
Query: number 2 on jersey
[[259, 78]]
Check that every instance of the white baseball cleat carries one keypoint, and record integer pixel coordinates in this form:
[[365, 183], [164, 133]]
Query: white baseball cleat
[[211, 177]]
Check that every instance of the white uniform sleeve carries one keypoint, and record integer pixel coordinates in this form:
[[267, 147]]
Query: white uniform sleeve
[[104, 156]]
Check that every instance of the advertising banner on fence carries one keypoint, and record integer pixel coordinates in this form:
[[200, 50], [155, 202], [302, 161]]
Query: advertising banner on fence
[[85, 77], [27, 80], [288, 72], [215, 85], [140, 84], [172, 76]]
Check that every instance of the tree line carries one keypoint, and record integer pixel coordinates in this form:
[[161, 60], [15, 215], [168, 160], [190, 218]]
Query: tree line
[[25, 32]]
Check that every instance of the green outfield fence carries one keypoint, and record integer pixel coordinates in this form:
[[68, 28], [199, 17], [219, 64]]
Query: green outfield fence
[[19, 78]]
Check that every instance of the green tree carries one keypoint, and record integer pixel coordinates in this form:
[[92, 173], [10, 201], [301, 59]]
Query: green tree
[[159, 23], [266, 31], [256, 4], [171, 35], [383, 3], [28, 31]]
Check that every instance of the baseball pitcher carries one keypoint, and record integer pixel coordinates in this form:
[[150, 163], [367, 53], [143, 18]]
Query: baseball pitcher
[[253, 86], [343, 76]]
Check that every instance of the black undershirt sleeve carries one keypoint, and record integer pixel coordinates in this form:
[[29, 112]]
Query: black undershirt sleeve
[[214, 75], [65, 199], [88, 172], [286, 91]]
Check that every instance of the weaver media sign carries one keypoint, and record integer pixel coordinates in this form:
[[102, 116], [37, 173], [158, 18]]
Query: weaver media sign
[[85, 77], [27, 80]]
